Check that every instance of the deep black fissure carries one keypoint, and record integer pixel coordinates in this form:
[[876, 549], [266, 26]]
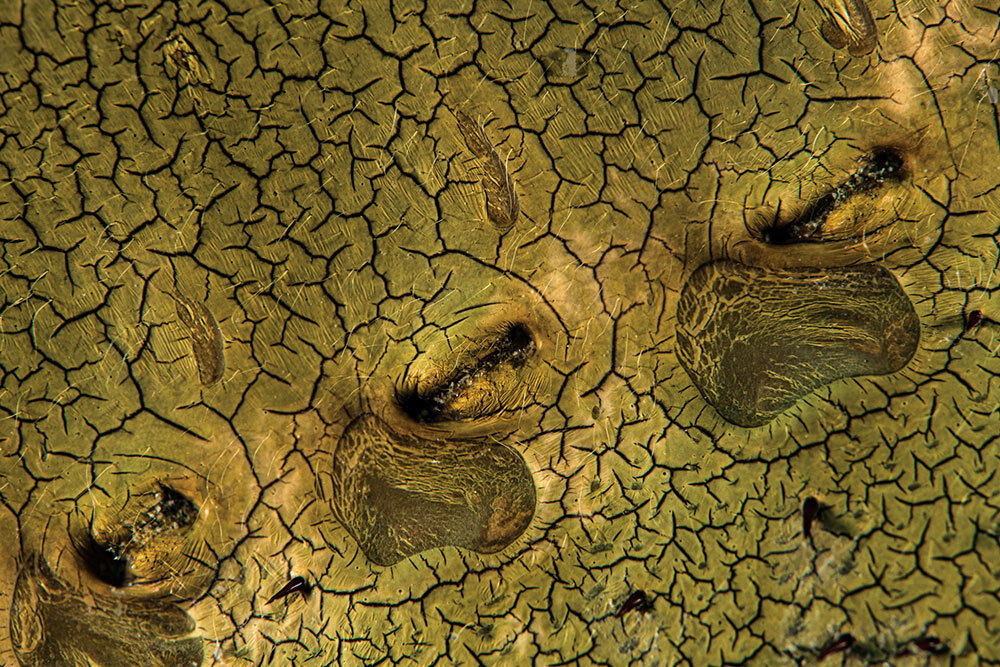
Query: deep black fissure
[[427, 405], [108, 559], [883, 165]]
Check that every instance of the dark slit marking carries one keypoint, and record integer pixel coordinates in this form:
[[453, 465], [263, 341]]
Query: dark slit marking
[[638, 601], [463, 394], [295, 585], [882, 166], [810, 510], [842, 643]]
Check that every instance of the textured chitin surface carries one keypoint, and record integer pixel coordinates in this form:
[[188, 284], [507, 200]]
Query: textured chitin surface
[[399, 495], [755, 341], [55, 625], [499, 333]]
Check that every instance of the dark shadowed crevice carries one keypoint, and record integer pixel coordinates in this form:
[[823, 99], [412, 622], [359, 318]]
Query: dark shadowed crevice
[[475, 387], [883, 166]]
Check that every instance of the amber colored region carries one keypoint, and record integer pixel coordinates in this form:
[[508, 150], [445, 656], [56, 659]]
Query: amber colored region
[[483, 333]]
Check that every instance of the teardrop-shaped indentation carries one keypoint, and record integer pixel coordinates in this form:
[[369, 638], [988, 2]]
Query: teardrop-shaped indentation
[[755, 340], [481, 383], [400, 494]]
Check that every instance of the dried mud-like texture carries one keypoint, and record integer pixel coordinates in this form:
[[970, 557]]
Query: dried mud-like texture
[[399, 495], [296, 168], [756, 341]]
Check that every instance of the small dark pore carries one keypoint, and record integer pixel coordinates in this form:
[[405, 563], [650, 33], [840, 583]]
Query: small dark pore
[[883, 165], [105, 562], [973, 319], [930, 645], [810, 509], [294, 585]]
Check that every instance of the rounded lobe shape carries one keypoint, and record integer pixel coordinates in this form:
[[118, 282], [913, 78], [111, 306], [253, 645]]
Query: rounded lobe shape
[[754, 341], [400, 494]]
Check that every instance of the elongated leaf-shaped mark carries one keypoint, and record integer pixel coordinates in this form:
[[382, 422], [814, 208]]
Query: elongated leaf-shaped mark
[[849, 23], [206, 339], [502, 206]]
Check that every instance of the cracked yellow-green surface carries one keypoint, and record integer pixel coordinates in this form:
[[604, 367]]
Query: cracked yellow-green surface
[[486, 333]]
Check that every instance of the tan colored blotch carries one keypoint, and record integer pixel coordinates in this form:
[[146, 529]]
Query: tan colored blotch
[[206, 339], [849, 23], [502, 207]]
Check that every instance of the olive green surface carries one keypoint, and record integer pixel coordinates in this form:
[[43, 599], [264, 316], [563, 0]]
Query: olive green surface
[[455, 311]]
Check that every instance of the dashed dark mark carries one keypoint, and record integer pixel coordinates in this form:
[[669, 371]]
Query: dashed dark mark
[[973, 319], [810, 510], [931, 645], [638, 601], [294, 585], [470, 390], [842, 643], [884, 165]]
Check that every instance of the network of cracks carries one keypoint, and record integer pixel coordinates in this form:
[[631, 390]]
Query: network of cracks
[[753, 339]]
